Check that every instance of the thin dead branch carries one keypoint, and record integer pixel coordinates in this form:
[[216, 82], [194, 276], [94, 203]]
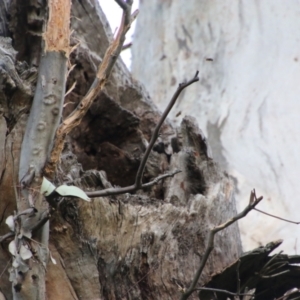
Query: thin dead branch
[[276, 217], [6, 236], [181, 87], [222, 291], [289, 293], [210, 245], [131, 188], [45, 216], [238, 289], [159, 178], [71, 89], [139, 176], [104, 70], [127, 46], [123, 4], [5, 268]]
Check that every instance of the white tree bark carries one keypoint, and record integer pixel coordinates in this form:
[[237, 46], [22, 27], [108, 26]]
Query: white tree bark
[[247, 103]]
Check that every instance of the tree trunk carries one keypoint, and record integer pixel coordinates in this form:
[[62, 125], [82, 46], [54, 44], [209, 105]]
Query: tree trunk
[[247, 56], [145, 245]]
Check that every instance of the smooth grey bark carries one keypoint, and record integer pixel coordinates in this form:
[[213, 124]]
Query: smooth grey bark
[[3, 17], [28, 278], [44, 117], [45, 113]]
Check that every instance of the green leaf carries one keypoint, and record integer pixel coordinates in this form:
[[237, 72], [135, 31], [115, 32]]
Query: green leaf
[[65, 190], [47, 187]]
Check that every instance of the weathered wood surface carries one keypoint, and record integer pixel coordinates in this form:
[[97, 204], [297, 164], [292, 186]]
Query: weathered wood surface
[[265, 276], [140, 246], [247, 99]]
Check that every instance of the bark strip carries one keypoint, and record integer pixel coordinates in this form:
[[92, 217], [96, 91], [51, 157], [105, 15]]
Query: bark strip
[[57, 35], [102, 76], [44, 118]]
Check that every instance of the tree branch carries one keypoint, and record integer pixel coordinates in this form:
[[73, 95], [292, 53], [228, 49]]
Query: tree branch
[[157, 179], [45, 216], [104, 70], [122, 4], [210, 246], [6, 236], [127, 46], [289, 293], [131, 188], [276, 217], [181, 87], [138, 179], [221, 291]]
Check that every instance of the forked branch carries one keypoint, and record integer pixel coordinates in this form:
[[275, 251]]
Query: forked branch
[[102, 76], [138, 184], [130, 188], [210, 245]]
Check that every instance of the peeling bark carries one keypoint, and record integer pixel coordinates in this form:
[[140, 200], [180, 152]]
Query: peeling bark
[[44, 117]]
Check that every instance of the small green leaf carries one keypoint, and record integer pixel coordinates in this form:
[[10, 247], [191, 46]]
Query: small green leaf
[[65, 190], [47, 187]]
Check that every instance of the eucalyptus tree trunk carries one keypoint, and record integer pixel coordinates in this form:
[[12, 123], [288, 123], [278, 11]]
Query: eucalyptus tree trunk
[[246, 102], [146, 245]]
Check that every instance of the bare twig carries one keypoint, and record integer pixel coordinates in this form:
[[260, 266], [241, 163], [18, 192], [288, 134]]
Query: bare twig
[[265, 270], [131, 188], [276, 217], [28, 211], [138, 179], [157, 179], [181, 87], [45, 216], [5, 267], [275, 275], [210, 245], [6, 236], [221, 291], [102, 76], [122, 4], [269, 263], [238, 289], [127, 46], [270, 267], [43, 219], [288, 293]]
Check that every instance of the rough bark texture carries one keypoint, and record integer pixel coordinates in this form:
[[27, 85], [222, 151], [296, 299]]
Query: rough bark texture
[[141, 246]]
